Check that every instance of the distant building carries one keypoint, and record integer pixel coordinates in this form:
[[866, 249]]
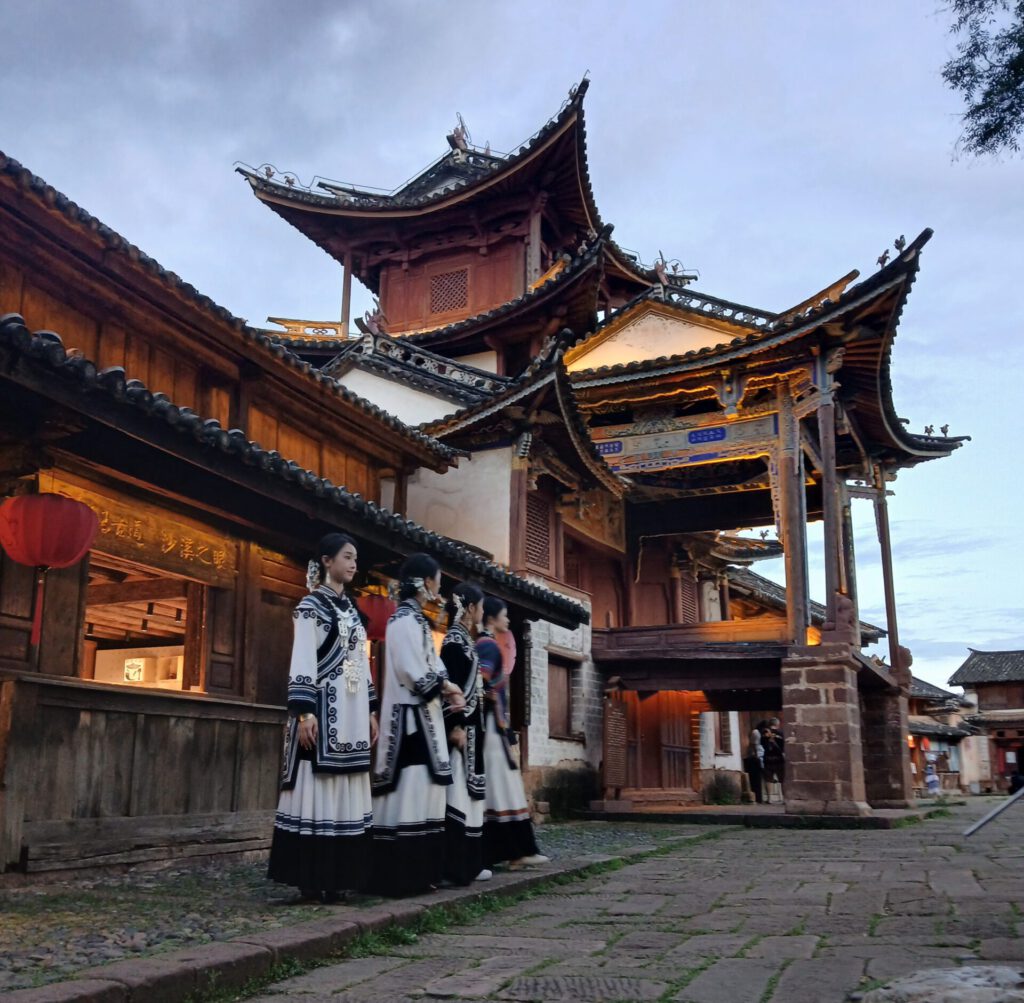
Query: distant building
[[939, 734], [993, 683]]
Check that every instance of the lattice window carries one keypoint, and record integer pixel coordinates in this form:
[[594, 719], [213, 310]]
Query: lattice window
[[538, 530], [449, 291], [689, 611], [723, 733]]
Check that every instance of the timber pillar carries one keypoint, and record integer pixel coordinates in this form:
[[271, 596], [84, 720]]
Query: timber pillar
[[884, 731], [821, 708]]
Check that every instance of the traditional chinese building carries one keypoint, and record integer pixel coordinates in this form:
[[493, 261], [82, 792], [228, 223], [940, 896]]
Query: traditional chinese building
[[940, 735], [993, 683], [147, 721], [612, 412]]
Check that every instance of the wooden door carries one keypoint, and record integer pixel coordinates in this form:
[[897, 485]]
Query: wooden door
[[676, 741], [649, 740]]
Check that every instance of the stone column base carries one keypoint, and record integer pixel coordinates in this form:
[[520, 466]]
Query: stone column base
[[821, 710]]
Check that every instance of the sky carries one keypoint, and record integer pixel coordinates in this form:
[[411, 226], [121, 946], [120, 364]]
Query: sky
[[770, 146]]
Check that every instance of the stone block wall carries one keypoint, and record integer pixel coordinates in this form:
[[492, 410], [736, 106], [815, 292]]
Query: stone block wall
[[821, 707], [887, 778]]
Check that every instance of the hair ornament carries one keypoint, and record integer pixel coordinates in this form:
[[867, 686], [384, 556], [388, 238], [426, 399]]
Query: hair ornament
[[421, 589], [314, 576], [460, 609]]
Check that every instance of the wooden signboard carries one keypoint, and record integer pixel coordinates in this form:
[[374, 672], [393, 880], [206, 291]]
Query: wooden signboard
[[614, 746], [140, 531], [664, 443]]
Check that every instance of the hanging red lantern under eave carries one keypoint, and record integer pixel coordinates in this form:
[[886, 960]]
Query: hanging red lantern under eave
[[379, 610], [46, 531]]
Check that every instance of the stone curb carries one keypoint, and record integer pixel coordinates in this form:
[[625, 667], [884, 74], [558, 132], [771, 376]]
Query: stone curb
[[172, 977]]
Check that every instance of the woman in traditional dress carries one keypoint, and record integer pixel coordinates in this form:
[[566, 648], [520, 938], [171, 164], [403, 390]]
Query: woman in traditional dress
[[321, 842], [464, 818], [508, 831], [412, 768]]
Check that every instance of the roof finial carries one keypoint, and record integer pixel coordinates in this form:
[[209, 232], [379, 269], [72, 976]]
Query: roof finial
[[883, 258], [458, 138], [899, 243]]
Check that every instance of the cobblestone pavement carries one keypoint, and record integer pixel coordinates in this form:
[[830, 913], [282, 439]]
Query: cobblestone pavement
[[739, 916], [49, 930]]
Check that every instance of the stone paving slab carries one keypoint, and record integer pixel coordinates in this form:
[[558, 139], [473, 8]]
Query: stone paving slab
[[538, 988], [734, 980], [819, 981]]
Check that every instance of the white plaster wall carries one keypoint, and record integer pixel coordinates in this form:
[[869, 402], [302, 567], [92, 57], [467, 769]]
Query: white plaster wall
[[487, 361], [411, 406], [587, 697], [975, 768], [710, 758], [649, 337], [470, 502]]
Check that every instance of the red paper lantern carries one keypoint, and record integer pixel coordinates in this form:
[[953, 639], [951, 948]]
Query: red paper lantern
[[379, 610], [46, 531]]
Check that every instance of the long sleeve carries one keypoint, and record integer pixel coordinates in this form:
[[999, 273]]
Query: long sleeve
[[459, 668], [492, 673], [409, 659], [371, 690], [303, 668]]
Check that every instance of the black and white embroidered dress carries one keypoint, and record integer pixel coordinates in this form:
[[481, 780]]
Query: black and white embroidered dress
[[508, 830], [412, 768], [324, 815], [464, 816]]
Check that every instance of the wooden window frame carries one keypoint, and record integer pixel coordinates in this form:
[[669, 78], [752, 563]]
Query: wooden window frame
[[562, 667], [723, 733]]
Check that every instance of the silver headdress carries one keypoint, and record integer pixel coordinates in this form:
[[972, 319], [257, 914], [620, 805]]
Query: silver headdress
[[421, 589], [314, 576]]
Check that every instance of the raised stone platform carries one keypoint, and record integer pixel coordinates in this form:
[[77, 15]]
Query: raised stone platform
[[757, 817]]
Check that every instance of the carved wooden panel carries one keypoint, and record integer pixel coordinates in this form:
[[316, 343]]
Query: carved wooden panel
[[615, 744]]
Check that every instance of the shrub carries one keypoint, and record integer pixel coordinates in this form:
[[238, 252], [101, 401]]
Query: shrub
[[721, 788]]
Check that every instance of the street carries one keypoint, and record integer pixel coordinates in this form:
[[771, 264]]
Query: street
[[728, 916]]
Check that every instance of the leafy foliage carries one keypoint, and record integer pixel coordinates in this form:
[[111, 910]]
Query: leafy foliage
[[988, 71]]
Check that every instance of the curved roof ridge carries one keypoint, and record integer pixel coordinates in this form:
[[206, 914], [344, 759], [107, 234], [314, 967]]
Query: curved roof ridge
[[355, 197]]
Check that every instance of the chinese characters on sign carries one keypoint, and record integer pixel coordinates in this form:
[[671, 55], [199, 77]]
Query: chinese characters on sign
[[139, 531]]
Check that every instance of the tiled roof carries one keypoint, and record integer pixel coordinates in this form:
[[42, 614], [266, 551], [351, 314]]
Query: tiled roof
[[477, 166], [115, 243], [926, 691], [45, 350], [765, 328], [929, 727], [546, 369], [775, 595], [990, 667], [417, 367], [897, 276]]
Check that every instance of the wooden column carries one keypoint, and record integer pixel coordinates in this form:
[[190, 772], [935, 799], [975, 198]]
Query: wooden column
[[346, 293], [849, 566], [885, 545], [723, 592], [533, 261], [793, 517], [831, 511]]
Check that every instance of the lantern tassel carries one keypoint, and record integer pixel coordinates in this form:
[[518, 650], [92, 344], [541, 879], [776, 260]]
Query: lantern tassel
[[37, 615]]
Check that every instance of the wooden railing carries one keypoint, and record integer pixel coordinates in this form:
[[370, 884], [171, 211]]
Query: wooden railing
[[106, 774], [765, 629]]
